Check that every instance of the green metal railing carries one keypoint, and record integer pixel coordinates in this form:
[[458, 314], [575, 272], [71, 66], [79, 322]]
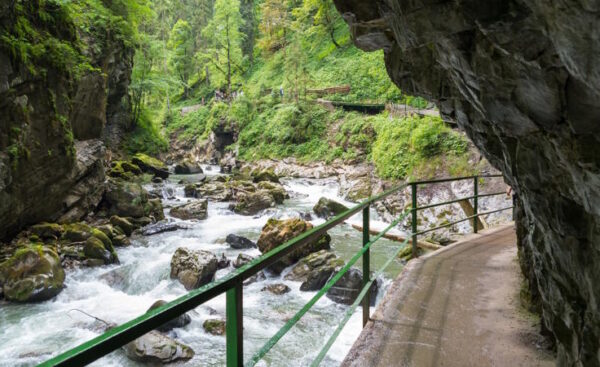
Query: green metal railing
[[232, 286]]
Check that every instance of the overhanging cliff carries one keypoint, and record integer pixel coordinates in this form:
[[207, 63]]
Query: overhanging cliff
[[522, 78]]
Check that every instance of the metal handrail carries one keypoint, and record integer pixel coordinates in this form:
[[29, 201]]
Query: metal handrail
[[232, 286]]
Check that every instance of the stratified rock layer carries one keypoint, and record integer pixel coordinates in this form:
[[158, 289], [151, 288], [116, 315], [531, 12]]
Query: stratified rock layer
[[522, 78]]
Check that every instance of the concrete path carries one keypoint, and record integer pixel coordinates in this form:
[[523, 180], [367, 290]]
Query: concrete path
[[457, 307]]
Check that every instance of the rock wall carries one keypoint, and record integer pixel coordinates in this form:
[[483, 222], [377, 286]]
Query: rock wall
[[522, 78], [53, 117]]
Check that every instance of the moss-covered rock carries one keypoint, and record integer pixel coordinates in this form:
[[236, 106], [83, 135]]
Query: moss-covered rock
[[275, 190], [315, 270], [327, 208], [277, 232], [214, 326], [126, 199], [34, 273], [187, 167], [123, 169], [125, 225], [76, 232], [151, 165], [47, 230], [254, 202], [265, 175], [95, 249]]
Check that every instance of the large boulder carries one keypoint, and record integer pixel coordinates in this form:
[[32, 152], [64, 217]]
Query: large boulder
[[151, 165], [193, 268], [34, 273], [239, 242], [315, 270], [197, 209], [214, 326], [123, 169], [277, 232], [100, 249], [265, 175], [155, 348], [254, 202], [327, 208], [187, 167], [275, 190], [130, 199], [347, 288], [178, 322], [242, 260]]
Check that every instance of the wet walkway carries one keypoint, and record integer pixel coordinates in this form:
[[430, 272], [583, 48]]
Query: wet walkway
[[456, 307]]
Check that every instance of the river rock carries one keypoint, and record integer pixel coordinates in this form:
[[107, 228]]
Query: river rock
[[47, 231], [277, 232], [96, 249], [214, 190], [315, 270], [223, 263], [253, 203], [34, 273], [214, 326], [178, 322], [277, 289], [327, 208], [161, 227], [151, 165], [193, 268], [239, 242], [76, 232], [242, 260], [348, 287], [155, 348], [190, 191], [277, 191], [125, 225], [187, 167], [124, 170], [197, 209], [265, 175], [129, 199], [258, 277]]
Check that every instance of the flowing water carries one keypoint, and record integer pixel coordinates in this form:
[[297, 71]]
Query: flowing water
[[31, 333]]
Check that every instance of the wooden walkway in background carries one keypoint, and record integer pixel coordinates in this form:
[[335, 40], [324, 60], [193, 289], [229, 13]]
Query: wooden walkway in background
[[459, 307]]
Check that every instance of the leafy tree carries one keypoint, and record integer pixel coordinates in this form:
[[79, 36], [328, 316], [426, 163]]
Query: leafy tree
[[322, 14], [224, 49], [295, 68], [181, 42], [274, 24]]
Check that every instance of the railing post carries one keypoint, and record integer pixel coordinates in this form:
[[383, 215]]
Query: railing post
[[234, 326], [366, 260], [414, 220], [475, 194]]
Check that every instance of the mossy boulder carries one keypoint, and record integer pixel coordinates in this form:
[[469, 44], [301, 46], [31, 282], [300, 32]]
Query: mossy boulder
[[156, 349], [190, 191], [34, 273], [277, 232], [195, 210], [187, 167], [122, 223], [214, 326], [47, 231], [327, 208], [123, 169], [178, 322], [193, 268], [254, 202], [275, 190], [265, 175], [130, 199], [76, 232], [151, 165], [96, 249]]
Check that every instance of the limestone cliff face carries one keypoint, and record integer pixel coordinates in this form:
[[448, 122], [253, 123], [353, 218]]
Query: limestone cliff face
[[522, 78], [53, 120]]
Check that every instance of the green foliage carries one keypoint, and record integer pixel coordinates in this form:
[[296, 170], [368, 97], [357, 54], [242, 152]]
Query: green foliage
[[404, 147], [146, 137], [181, 43]]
